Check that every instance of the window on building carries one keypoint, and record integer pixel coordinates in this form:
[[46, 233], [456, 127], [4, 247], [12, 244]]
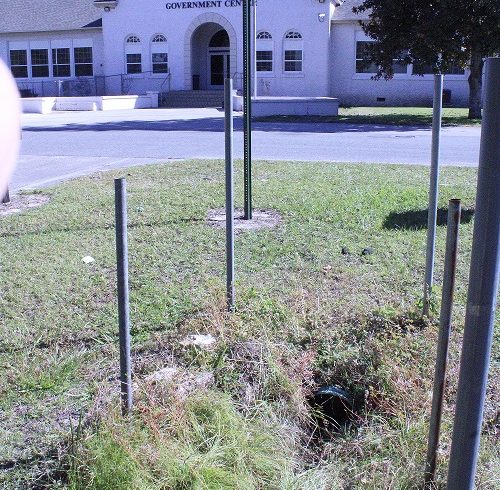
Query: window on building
[[293, 60], [264, 52], [422, 69], [159, 54], [39, 63], [19, 63], [264, 60], [363, 52], [426, 69], [133, 40], [455, 70], [399, 66], [293, 52], [84, 66], [133, 56], [61, 62], [134, 64], [264, 35]]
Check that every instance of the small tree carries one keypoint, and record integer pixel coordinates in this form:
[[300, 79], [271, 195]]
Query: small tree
[[439, 33]]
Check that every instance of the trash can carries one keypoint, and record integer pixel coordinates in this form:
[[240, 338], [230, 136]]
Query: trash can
[[196, 82]]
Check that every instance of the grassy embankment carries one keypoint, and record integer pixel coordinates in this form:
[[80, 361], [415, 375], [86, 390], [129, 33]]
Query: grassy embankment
[[307, 315], [399, 116]]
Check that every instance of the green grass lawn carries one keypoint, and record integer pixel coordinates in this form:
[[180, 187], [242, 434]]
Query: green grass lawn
[[307, 315], [401, 116]]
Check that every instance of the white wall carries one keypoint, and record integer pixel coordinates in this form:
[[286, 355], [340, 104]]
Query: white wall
[[276, 16], [359, 89]]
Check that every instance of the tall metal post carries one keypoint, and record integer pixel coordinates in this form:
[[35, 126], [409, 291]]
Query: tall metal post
[[247, 113], [433, 190], [450, 266], [481, 296], [254, 51], [228, 110], [123, 294]]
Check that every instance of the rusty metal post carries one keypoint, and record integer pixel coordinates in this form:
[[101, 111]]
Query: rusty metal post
[[450, 266]]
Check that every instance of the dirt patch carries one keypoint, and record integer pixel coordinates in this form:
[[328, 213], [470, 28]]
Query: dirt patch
[[261, 218], [20, 203]]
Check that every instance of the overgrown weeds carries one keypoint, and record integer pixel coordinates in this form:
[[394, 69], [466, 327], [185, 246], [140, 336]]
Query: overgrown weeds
[[313, 310]]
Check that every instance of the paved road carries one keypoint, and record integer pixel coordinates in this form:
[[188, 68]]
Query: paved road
[[62, 145]]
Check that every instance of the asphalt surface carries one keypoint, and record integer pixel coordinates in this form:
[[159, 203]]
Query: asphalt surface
[[64, 145]]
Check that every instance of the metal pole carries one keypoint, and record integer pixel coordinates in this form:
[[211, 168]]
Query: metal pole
[[481, 297], [247, 115], [228, 109], [433, 192], [255, 81], [123, 294], [450, 266]]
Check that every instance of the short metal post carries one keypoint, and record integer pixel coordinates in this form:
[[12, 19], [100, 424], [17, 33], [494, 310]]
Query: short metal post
[[123, 294], [59, 88], [6, 197], [228, 109], [450, 267], [433, 191], [481, 296]]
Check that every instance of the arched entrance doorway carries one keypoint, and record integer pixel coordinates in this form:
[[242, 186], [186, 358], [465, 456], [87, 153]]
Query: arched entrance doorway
[[211, 43], [210, 57], [220, 59]]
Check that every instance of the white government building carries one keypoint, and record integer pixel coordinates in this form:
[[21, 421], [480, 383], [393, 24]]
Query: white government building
[[310, 48]]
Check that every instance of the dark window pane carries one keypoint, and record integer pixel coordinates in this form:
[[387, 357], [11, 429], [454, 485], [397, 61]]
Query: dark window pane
[[133, 58], [160, 58], [363, 66], [39, 71], [363, 53], [422, 69], [399, 67], [264, 55], [18, 57], [19, 71], [39, 57], [62, 71], [363, 49], [293, 65], [133, 68], [160, 68], [84, 70], [60, 56], [264, 66], [292, 55], [455, 70], [83, 55]]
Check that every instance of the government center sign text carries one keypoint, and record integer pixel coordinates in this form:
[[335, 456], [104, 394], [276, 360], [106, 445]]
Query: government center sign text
[[205, 4]]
